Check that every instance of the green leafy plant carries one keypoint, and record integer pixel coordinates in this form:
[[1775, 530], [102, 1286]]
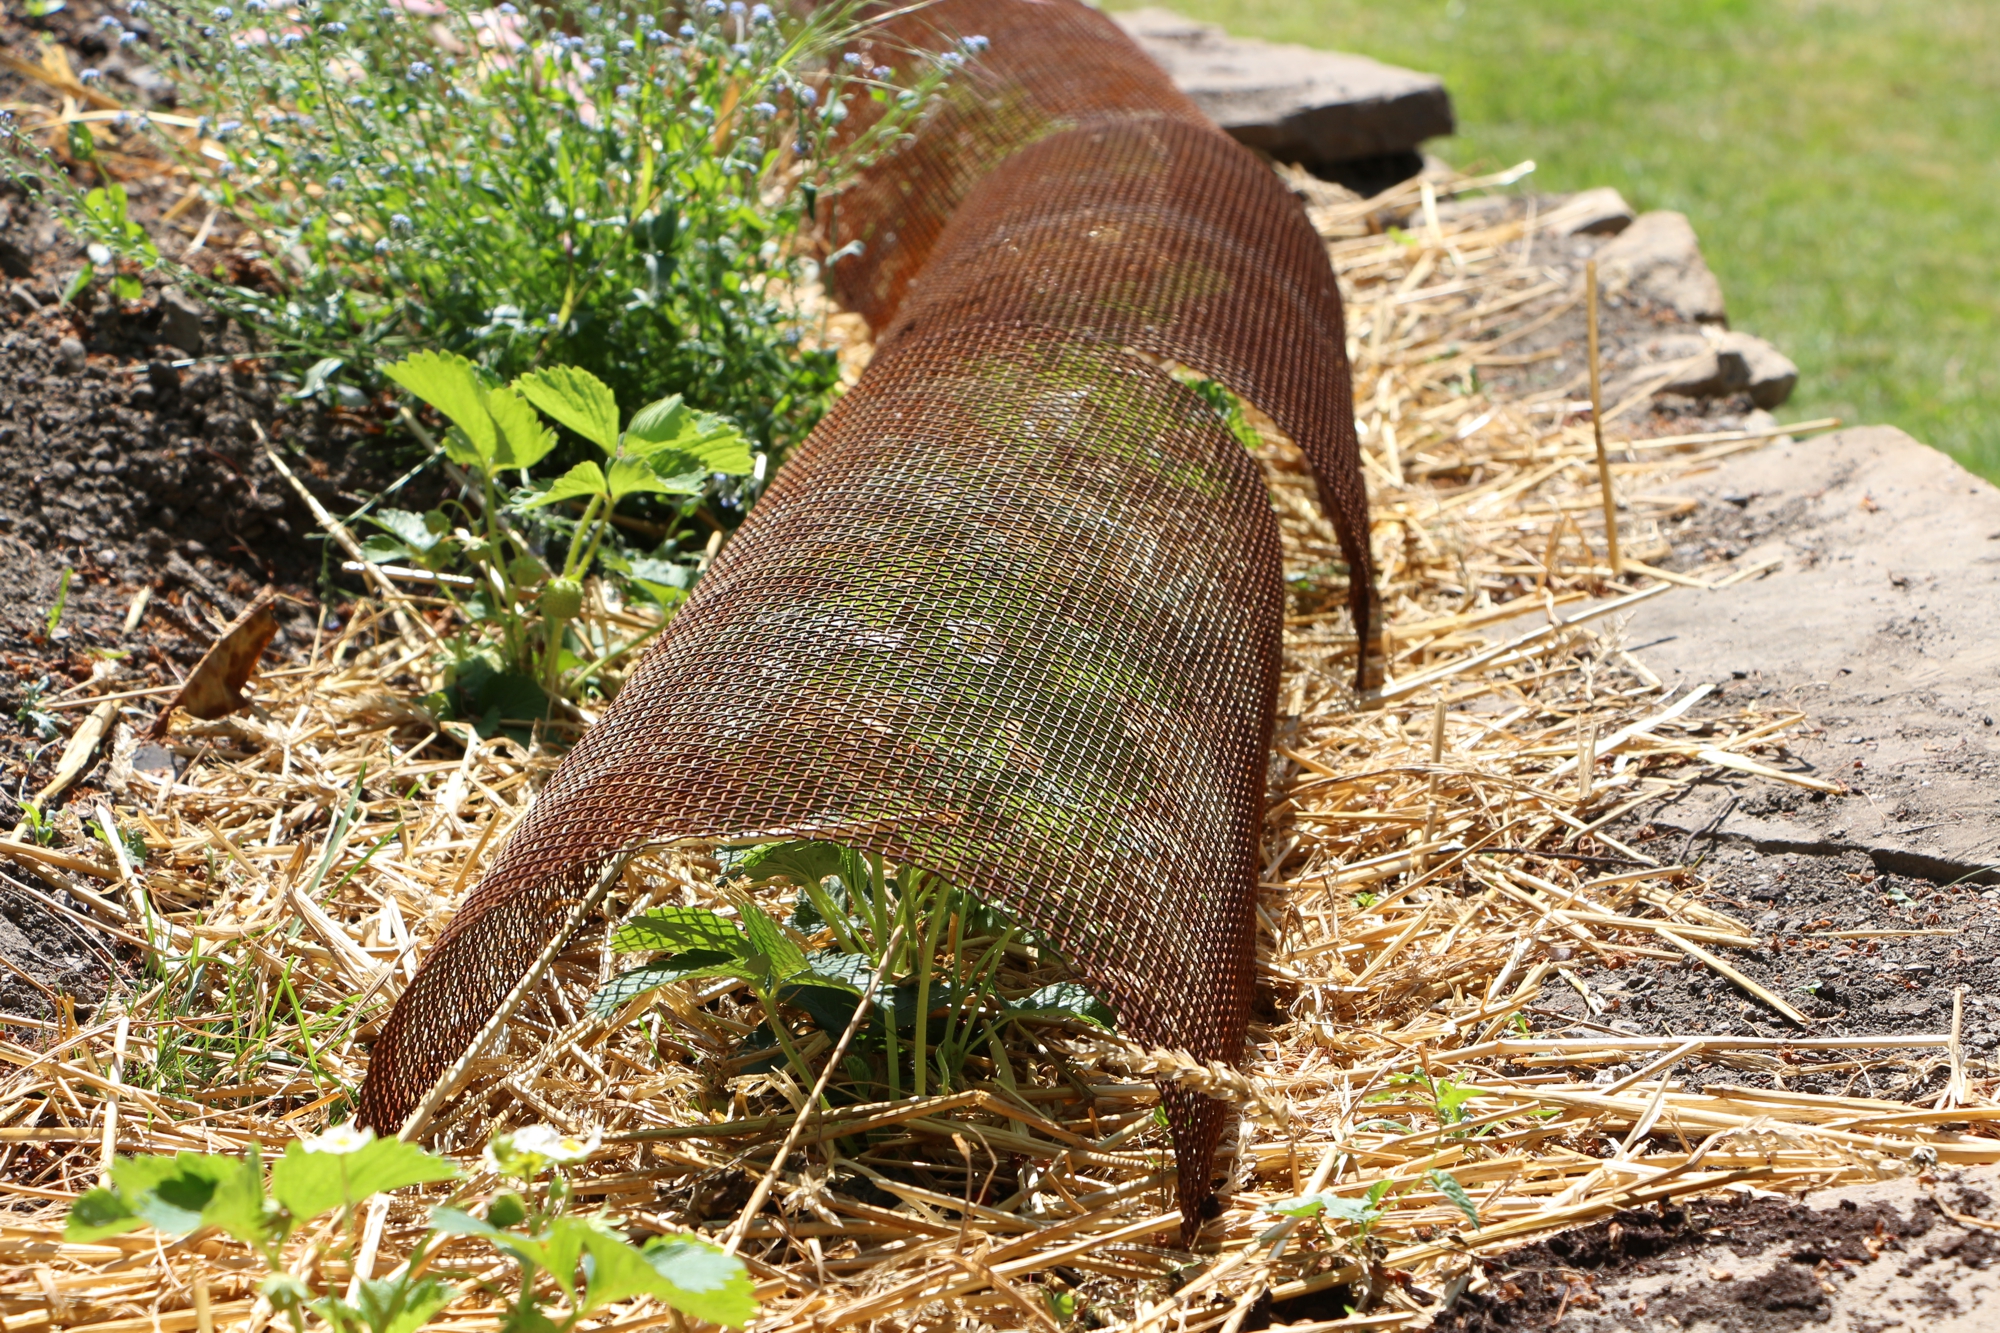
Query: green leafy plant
[[337, 1171], [1225, 404], [1446, 1099], [520, 611], [130, 840], [623, 189], [702, 943], [341, 1169], [1447, 1184], [1337, 1212], [938, 998], [542, 1237], [114, 242], [40, 827]]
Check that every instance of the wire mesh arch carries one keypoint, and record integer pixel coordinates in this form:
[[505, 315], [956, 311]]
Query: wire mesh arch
[[1014, 612]]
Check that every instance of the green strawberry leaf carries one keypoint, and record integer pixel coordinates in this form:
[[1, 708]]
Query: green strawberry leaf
[[677, 473], [769, 939], [665, 581], [695, 965], [800, 862], [630, 476], [836, 971], [409, 528], [523, 440], [698, 1279], [309, 1182], [381, 549], [712, 443], [585, 479], [455, 387], [555, 1252], [99, 1213], [460, 449], [1068, 1000], [174, 1194], [577, 399], [398, 1305], [680, 928]]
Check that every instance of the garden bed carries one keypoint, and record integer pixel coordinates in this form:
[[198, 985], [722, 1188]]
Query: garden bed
[[1433, 894]]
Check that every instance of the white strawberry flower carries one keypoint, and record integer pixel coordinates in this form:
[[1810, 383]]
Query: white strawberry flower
[[340, 1140], [552, 1145], [525, 1152]]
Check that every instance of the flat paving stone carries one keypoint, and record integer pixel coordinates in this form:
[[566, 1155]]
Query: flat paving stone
[[1873, 614], [1297, 103]]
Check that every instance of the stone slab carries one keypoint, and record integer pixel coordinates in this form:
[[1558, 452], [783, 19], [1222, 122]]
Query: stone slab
[[1658, 258], [1881, 623], [1296, 103], [1715, 363], [1597, 212]]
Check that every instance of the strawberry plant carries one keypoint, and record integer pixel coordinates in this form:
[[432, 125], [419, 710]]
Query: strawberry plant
[[585, 1258], [524, 641]]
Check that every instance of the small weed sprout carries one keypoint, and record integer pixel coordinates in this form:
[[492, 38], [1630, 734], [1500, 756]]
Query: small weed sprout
[[535, 1228], [1446, 1098], [130, 840], [40, 827], [1338, 1213], [55, 615], [1350, 1221], [1447, 1184], [37, 721]]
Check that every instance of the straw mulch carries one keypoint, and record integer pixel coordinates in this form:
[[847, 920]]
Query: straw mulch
[[1434, 860]]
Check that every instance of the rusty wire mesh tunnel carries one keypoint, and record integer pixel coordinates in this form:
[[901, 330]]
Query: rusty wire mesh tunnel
[[1014, 612]]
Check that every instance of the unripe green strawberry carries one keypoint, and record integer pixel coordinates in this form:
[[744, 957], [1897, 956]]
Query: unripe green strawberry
[[526, 571], [562, 599]]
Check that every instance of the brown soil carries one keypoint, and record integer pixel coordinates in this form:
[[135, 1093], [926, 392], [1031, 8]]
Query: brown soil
[[1745, 1265], [127, 436], [136, 465], [1792, 901]]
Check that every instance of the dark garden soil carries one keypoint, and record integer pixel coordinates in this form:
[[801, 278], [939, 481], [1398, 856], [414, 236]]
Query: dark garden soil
[[130, 457], [1796, 904], [1868, 1259], [1743, 1265], [133, 466]]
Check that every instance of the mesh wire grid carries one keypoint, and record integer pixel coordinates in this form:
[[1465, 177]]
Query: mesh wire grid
[[1014, 612], [1051, 65]]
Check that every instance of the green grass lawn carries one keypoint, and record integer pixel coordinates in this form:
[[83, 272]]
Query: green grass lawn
[[1840, 159]]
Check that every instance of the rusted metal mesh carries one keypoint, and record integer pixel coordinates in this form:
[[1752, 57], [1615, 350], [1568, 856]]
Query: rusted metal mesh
[[1051, 66], [1013, 613]]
